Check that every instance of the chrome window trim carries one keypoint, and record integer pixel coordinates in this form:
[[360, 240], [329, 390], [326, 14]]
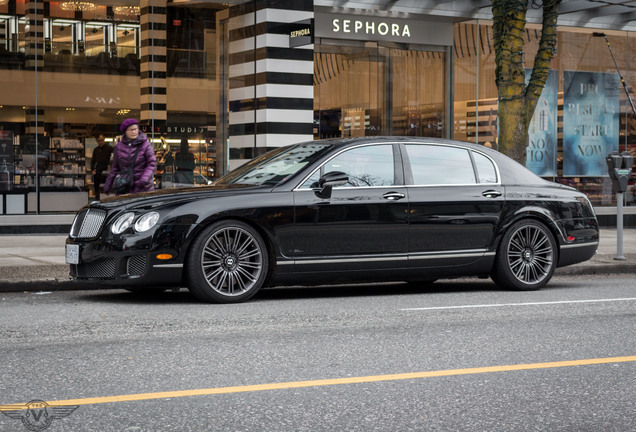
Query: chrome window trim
[[299, 188], [454, 185], [498, 183]]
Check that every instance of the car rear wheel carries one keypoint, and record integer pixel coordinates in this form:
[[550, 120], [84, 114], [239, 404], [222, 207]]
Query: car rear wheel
[[228, 263], [526, 258]]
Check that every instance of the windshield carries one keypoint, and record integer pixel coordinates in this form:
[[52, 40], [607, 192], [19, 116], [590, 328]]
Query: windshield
[[275, 166]]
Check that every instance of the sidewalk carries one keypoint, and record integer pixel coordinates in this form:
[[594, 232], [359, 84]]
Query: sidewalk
[[35, 262]]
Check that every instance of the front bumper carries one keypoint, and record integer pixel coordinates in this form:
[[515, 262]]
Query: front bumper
[[125, 268]]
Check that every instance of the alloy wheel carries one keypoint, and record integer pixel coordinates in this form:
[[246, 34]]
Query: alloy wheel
[[530, 254], [232, 261]]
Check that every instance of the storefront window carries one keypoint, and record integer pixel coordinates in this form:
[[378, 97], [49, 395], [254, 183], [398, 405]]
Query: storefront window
[[87, 78], [583, 115], [371, 89]]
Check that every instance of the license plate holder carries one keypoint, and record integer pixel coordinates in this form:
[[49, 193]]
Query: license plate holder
[[72, 254]]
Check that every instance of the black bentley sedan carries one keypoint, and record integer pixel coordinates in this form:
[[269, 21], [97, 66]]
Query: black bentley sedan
[[343, 210]]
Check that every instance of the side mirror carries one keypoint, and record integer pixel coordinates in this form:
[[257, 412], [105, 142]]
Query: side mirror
[[328, 181]]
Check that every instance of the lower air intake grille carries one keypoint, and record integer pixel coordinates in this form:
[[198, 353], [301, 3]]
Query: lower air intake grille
[[136, 265], [99, 269]]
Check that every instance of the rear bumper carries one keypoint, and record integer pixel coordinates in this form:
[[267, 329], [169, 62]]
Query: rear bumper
[[576, 253]]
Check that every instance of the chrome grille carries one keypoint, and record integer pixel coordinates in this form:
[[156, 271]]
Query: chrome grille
[[88, 223], [136, 265], [99, 269]]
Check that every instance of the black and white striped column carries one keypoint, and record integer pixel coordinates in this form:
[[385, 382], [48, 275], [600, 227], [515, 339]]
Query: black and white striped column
[[4, 34], [271, 84], [34, 121], [34, 51], [153, 64]]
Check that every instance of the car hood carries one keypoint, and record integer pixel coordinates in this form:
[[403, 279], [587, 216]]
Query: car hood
[[162, 197]]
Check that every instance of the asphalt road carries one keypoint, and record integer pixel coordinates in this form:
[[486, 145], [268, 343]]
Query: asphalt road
[[459, 356]]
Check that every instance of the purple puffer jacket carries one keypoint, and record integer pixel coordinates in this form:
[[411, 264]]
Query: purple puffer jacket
[[145, 164]]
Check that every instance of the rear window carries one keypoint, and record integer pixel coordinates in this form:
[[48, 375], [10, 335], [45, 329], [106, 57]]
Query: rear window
[[440, 165], [486, 171]]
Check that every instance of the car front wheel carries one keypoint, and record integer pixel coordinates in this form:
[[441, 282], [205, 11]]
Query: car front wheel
[[526, 258], [228, 263]]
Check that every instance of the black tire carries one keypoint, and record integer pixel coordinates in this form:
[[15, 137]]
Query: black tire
[[526, 258], [227, 263]]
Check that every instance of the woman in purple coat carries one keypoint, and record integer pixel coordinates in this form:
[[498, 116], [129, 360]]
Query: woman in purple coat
[[123, 154]]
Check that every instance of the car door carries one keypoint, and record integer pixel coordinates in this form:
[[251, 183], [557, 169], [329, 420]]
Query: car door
[[455, 204], [362, 224]]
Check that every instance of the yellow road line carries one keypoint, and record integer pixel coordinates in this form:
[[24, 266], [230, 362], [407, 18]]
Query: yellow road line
[[327, 382]]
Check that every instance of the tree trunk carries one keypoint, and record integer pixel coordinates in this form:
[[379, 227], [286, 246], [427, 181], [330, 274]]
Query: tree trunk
[[516, 100]]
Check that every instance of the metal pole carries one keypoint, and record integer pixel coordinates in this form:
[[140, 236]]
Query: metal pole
[[619, 227], [629, 98], [37, 172], [619, 196]]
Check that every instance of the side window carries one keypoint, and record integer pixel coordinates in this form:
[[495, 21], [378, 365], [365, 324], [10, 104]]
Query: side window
[[485, 169], [440, 165], [370, 165]]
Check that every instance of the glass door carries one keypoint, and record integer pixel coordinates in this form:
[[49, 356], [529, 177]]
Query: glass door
[[370, 90], [348, 90], [416, 88]]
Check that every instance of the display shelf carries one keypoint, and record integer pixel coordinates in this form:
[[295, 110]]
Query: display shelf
[[67, 164]]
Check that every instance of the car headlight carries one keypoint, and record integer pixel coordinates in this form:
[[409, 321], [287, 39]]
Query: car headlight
[[147, 221], [122, 223]]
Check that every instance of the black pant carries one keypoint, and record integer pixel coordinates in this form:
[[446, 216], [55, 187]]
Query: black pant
[[98, 180]]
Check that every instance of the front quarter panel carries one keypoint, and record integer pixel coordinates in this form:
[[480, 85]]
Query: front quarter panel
[[165, 246]]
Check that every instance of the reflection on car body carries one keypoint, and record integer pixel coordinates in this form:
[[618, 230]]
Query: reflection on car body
[[342, 210], [167, 181]]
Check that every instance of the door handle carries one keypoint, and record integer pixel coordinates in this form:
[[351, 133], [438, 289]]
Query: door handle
[[393, 196], [491, 194]]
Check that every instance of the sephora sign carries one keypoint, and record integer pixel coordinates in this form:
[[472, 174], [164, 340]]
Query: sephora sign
[[379, 28]]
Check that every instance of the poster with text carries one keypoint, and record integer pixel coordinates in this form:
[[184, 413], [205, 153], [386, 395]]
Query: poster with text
[[542, 133], [590, 122]]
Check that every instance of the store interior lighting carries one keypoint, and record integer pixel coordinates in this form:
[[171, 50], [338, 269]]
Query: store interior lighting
[[78, 6], [127, 10]]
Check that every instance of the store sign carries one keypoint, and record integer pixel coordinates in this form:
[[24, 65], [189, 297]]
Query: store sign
[[379, 28], [176, 129], [301, 33], [102, 100], [590, 122]]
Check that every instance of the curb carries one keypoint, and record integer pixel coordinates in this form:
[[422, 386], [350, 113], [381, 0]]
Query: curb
[[57, 278], [619, 268]]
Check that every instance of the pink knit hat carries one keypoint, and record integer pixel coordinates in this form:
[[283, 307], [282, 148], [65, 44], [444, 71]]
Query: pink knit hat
[[127, 123]]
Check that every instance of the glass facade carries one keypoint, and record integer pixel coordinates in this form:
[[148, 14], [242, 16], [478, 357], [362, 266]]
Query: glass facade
[[576, 126], [69, 75], [369, 89], [84, 78]]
